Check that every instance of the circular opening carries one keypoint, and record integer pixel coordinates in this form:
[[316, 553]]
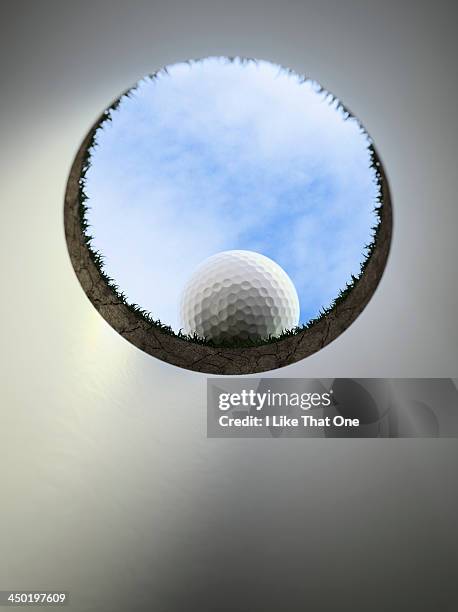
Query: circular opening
[[213, 159]]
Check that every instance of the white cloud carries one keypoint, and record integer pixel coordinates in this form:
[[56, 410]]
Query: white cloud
[[218, 156]]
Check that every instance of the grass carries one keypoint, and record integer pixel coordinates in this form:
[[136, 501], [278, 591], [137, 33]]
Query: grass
[[98, 258]]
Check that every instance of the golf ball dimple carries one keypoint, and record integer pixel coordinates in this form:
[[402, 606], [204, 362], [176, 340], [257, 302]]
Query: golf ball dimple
[[239, 295]]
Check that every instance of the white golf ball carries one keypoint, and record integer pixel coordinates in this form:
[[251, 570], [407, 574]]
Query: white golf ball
[[239, 295]]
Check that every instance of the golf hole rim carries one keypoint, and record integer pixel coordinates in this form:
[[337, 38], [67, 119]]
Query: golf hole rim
[[200, 357]]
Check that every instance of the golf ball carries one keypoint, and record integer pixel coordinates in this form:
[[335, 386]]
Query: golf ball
[[239, 295]]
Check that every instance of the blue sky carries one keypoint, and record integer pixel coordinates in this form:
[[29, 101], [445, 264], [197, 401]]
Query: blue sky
[[215, 156]]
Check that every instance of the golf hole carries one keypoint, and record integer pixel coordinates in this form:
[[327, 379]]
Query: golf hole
[[218, 156]]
